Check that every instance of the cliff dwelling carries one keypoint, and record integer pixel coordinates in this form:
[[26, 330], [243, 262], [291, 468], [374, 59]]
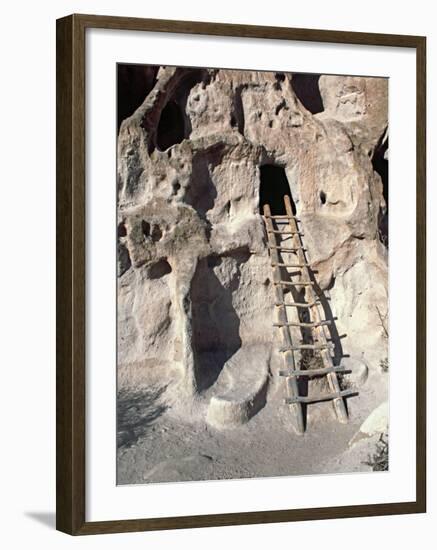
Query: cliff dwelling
[[252, 244]]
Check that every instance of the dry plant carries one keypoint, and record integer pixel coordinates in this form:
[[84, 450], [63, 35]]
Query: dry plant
[[383, 321], [379, 460]]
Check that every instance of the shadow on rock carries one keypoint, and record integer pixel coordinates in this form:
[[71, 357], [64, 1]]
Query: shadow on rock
[[137, 410]]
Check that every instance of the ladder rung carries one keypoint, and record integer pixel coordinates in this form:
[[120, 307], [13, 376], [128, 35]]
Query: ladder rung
[[321, 294], [316, 398], [293, 283], [278, 231], [295, 304], [311, 372], [284, 222], [327, 339], [296, 324], [285, 249], [307, 346], [282, 264], [280, 217]]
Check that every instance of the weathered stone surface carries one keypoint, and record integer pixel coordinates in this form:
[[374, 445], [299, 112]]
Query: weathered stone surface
[[241, 388], [360, 103], [359, 371], [194, 271], [375, 423]]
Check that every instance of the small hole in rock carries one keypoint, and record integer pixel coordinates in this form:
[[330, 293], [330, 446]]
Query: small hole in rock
[[146, 228], [156, 233], [176, 187], [158, 270], [121, 230], [280, 77], [322, 197], [282, 105]]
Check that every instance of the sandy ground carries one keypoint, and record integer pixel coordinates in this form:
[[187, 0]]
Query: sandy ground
[[157, 442]]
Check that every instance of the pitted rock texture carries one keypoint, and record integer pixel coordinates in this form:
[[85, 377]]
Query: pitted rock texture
[[194, 272]]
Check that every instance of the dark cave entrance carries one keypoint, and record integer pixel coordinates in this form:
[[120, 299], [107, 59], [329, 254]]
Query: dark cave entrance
[[174, 124], [134, 82], [171, 126], [273, 186], [306, 88], [380, 165]]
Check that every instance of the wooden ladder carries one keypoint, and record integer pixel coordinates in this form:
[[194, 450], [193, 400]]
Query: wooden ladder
[[315, 326]]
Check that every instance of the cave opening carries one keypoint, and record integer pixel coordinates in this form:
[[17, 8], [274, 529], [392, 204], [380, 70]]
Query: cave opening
[[306, 88], [273, 186], [380, 166], [171, 126], [134, 83]]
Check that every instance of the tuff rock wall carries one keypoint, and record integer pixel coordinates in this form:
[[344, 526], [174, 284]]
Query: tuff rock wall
[[194, 276]]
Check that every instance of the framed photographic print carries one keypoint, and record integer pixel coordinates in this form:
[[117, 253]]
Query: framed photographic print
[[240, 274]]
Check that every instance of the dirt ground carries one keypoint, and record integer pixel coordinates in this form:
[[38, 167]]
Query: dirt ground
[[158, 443]]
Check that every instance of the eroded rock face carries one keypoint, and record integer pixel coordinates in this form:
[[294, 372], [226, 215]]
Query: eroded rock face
[[360, 103], [194, 271]]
